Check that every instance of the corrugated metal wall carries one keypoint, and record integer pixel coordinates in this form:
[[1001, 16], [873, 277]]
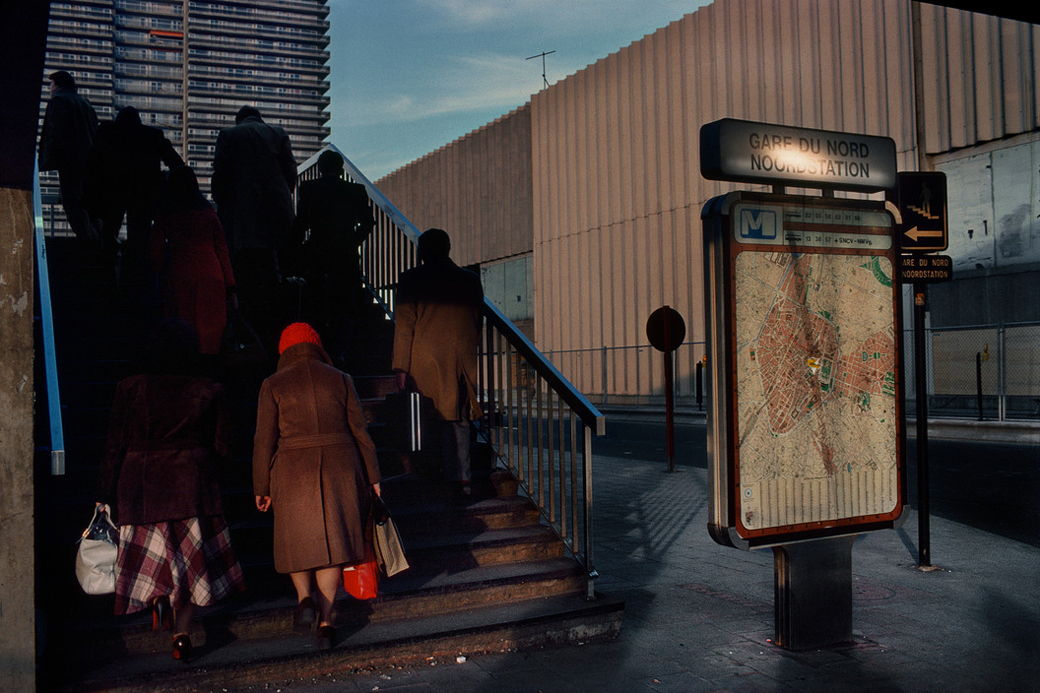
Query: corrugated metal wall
[[980, 78], [616, 190], [478, 189]]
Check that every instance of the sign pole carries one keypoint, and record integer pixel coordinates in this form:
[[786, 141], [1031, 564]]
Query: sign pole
[[669, 405], [666, 330], [924, 548]]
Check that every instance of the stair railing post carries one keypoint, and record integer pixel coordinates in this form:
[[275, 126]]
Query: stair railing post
[[509, 361], [551, 421], [590, 566], [575, 501]]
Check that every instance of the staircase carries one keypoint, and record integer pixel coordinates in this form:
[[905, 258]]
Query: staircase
[[486, 577]]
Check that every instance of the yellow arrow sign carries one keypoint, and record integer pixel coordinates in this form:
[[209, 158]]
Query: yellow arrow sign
[[916, 233]]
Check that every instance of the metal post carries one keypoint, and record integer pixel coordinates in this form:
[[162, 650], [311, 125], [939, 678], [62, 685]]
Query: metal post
[[669, 407], [921, 388], [978, 381], [699, 371], [590, 565], [1001, 373], [812, 599]]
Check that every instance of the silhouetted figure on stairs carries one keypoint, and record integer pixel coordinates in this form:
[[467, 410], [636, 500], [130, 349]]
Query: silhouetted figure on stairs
[[333, 219], [438, 314]]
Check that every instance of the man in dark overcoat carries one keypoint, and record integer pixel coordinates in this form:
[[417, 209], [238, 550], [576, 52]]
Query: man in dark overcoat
[[69, 126], [124, 176], [254, 175], [438, 314], [333, 219]]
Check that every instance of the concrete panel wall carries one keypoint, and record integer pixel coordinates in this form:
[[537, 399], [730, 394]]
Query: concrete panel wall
[[17, 530], [980, 78]]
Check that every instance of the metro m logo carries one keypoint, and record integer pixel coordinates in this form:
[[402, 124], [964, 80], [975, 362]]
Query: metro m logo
[[758, 223]]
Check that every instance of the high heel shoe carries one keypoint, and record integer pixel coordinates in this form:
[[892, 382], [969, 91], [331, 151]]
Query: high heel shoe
[[162, 614], [305, 615], [182, 647], [326, 637]]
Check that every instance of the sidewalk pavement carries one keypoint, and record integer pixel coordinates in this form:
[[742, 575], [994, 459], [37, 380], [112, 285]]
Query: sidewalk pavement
[[699, 616]]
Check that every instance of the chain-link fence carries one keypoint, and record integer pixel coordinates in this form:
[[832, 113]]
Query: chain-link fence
[[989, 372]]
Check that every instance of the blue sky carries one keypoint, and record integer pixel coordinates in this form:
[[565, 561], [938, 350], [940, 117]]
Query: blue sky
[[409, 76]]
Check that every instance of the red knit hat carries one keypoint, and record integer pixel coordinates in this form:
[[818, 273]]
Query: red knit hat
[[298, 333]]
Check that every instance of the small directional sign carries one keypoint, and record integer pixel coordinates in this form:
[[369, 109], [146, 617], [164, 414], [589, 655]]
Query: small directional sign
[[922, 205], [926, 269]]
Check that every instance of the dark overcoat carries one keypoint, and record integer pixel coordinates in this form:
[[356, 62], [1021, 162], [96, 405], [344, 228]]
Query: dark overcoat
[[313, 456], [165, 435], [69, 126], [335, 218], [254, 175], [437, 318], [124, 173]]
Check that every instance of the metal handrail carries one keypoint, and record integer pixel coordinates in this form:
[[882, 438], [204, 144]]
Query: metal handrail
[[535, 420], [50, 362]]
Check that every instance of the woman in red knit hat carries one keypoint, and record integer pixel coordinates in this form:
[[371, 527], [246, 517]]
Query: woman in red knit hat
[[314, 466]]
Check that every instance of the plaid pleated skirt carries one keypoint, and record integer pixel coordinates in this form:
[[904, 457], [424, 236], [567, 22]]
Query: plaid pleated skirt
[[186, 560]]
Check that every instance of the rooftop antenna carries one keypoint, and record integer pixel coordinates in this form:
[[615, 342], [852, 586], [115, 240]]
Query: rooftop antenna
[[542, 56]]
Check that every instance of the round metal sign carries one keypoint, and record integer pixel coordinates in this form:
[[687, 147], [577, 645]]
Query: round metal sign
[[665, 329]]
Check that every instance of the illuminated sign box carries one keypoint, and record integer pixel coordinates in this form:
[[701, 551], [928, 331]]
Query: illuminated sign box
[[802, 316], [750, 152]]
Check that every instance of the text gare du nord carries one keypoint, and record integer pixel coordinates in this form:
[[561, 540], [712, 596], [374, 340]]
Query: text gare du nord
[[809, 156]]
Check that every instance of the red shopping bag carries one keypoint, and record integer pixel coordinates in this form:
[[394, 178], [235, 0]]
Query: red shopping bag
[[361, 581]]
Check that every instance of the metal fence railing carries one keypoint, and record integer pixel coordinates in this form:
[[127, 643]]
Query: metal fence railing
[[634, 375], [539, 425], [989, 372], [48, 351], [984, 372]]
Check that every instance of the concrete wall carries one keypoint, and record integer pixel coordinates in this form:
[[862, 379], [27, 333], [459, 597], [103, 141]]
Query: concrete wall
[[17, 589], [23, 29]]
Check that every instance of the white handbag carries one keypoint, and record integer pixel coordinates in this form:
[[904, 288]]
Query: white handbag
[[96, 556]]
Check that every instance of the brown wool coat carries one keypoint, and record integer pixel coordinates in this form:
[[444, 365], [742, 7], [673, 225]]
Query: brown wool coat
[[165, 436], [437, 318], [313, 456]]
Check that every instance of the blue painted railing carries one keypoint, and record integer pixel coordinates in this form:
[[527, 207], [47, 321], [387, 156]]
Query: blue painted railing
[[50, 362]]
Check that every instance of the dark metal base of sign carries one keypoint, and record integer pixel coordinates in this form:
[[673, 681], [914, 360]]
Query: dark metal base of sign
[[813, 593]]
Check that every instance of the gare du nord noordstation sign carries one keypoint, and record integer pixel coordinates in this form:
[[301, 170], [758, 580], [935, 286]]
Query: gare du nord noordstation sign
[[751, 152]]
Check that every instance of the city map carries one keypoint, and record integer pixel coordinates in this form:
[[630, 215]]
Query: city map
[[815, 387]]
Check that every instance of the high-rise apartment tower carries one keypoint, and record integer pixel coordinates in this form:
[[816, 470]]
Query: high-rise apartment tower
[[189, 65]]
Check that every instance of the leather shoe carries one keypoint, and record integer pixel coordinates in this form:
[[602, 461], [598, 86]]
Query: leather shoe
[[326, 637], [305, 615]]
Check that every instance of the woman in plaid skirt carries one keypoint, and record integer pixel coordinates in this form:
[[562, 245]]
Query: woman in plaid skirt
[[168, 429]]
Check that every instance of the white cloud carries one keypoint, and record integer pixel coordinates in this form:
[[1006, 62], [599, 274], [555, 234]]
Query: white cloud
[[409, 76], [463, 84]]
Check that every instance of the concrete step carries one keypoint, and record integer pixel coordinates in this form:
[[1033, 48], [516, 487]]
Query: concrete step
[[492, 547], [436, 535], [222, 663], [250, 616]]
